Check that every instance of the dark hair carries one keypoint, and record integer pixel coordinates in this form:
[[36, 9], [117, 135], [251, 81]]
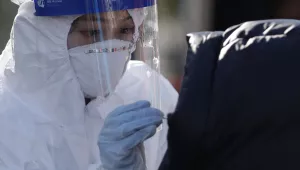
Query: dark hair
[[74, 25]]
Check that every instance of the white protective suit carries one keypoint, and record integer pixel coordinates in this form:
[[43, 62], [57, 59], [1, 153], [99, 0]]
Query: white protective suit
[[44, 122]]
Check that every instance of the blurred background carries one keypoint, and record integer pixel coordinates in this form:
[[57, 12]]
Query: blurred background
[[179, 17]]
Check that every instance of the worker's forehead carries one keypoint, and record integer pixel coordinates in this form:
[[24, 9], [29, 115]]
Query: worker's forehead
[[115, 15]]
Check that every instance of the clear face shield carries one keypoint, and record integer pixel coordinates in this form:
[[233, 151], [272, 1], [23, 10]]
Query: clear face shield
[[104, 36], [101, 45]]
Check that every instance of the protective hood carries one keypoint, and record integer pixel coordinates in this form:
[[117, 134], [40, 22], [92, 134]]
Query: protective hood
[[36, 59], [41, 94]]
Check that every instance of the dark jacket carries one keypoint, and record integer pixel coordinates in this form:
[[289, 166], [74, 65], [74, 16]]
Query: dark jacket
[[239, 106]]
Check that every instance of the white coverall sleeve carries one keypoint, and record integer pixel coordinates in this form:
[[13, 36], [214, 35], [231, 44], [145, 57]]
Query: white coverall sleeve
[[137, 85]]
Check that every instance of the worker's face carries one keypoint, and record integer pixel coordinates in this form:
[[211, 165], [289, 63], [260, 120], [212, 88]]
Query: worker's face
[[89, 29]]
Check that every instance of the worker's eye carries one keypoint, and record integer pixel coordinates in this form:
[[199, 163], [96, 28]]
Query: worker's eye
[[129, 30], [93, 33]]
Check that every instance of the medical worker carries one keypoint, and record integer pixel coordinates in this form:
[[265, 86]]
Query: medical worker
[[71, 99]]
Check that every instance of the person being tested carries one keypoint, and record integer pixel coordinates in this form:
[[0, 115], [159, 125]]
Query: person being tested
[[67, 86]]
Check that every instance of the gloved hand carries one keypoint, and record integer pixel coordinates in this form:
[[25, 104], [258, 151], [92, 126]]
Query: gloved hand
[[123, 133]]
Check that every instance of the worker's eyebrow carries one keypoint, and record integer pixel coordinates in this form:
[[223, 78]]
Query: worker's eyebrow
[[91, 21], [104, 19]]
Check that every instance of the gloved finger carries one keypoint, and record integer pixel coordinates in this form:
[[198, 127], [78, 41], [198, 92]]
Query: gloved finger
[[134, 115], [131, 107], [128, 129], [138, 137]]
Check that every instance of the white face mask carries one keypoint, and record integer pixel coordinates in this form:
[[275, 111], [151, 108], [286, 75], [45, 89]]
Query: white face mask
[[100, 66]]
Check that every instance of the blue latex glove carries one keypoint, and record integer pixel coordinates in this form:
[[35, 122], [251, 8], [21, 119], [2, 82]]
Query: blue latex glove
[[124, 131]]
